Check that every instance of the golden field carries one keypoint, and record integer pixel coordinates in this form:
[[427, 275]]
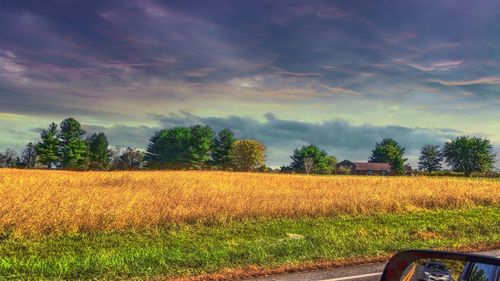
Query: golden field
[[41, 201]]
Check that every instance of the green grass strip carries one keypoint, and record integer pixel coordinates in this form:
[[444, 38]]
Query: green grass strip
[[197, 249]]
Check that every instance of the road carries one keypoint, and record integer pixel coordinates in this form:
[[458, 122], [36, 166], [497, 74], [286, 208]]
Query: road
[[366, 272]]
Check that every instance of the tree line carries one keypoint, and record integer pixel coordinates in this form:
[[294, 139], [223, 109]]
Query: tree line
[[199, 147], [464, 154], [63, 146]]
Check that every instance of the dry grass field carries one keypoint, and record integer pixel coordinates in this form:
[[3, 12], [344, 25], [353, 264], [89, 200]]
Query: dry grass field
[[69, 202], [62, 225]]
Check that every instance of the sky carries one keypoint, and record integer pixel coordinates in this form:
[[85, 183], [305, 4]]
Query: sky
[[339, 74]]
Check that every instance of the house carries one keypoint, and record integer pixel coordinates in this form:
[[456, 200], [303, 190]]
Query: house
[[363, 168]]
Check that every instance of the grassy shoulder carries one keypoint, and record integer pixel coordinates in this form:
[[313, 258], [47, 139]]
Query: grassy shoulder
[[187, 250]]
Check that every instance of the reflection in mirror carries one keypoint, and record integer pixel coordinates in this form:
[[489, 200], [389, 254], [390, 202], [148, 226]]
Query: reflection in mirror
[[450, 270], [481, 272]]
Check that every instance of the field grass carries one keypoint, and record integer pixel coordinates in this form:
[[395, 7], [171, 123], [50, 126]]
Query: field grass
[[187, 250], [119, 225], [47, 202]]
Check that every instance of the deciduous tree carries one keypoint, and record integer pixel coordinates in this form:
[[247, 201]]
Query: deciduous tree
[[322, 163], [28, 156], [469, 154], [389, 151], [128, 159], [8, 159], [248, 155]]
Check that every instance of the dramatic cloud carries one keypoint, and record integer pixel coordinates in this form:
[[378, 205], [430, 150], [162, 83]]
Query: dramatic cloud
[[114, 64]]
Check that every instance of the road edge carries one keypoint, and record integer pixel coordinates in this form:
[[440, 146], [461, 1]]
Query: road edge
[[257, 271]]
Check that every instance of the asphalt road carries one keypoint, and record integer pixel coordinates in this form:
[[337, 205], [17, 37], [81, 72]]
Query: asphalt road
[[366, 272]]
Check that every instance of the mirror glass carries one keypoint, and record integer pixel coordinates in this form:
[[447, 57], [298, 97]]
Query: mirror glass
[[450, 270]]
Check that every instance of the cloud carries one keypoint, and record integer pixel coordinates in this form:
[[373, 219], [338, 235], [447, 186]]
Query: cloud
[[245, 82], [493, 80], [10, 69], [337, 137], [122, 135], [341, 90], [299, 74], [202, 72], [440, 66], [114, 62]]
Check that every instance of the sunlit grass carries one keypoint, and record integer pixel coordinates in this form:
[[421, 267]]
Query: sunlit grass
[[187, 250], [42, 202]]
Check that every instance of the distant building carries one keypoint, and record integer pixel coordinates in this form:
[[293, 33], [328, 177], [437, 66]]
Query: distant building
[[408, 170], [347, 167]]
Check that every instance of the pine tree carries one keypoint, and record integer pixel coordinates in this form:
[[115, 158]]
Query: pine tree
[[180, 147], [221, 148], [99, 153], [430, 158], [48, 148], [74, 149]]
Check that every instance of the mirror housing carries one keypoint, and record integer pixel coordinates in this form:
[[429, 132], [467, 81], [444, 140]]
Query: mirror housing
[[397, 265]]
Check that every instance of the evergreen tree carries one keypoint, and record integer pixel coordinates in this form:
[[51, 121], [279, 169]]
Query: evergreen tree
[[200, 143], [430, 158], [221, 148], [180, 147], [99, 153], [168, 148], [48, 148], [73, 148]]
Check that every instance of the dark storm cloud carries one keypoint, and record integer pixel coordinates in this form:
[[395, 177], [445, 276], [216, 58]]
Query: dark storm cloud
[[338, 137], [220, 40], [92, 38]]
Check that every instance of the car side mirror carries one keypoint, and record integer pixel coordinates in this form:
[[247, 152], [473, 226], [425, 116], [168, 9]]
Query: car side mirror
[[422, 265]]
